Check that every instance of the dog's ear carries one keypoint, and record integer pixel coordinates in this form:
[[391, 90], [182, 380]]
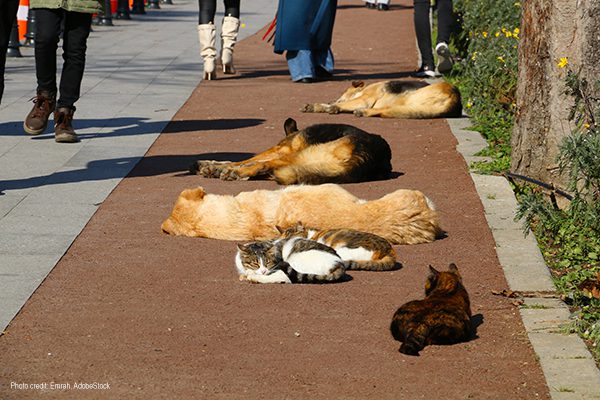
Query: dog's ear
[[358, 84], [193, 194], [289, 126]]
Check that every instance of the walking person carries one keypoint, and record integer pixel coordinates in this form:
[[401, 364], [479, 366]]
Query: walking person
[[75, 16], [423, 31], [8, 14], [304, 31], [207, 35]]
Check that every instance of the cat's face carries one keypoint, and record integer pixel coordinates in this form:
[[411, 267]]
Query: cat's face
[[445, 281], [258, 257]]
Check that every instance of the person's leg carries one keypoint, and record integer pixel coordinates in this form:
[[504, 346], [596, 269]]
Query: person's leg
[[229, 32], [47, 31], [445, 21], [423, 31], [300, 64], [232, 8], [77, 30], [207, 8], [48, 27], [323, 62], [8, 14]]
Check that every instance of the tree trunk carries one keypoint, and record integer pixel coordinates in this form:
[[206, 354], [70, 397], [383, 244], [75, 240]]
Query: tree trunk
[[550, 30]]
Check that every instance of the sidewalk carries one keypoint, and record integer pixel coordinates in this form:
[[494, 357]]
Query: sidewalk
[[155, 316]]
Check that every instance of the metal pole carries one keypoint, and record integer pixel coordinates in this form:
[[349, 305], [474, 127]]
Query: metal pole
[[13, 42], [138, 7], [122, 9], [30, 34]]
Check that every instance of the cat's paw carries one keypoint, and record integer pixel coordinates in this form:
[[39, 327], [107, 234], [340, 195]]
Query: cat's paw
[[359, 113], [308, 108]]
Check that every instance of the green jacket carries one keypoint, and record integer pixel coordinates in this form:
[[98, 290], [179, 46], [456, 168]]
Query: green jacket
[[82, 6]]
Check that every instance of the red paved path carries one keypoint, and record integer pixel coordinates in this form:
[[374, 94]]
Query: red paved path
[[165, 317]]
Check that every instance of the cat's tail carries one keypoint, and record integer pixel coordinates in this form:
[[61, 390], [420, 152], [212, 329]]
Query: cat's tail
[[387, 263], [335, 274], [415, 340]]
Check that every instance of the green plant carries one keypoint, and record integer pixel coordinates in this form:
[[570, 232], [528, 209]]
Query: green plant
[[487, 74]]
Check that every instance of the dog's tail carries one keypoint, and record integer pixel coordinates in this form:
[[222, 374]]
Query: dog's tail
[[404, 217]]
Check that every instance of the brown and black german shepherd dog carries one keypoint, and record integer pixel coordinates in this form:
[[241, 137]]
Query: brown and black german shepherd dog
[[395, 99], [323, 153]]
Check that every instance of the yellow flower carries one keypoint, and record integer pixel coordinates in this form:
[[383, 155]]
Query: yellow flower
[[516, 31], [586, 126], [497, 34], [508, 33], [474, 56], [501, 59], [484, 34], [517, 4], [563, 62]]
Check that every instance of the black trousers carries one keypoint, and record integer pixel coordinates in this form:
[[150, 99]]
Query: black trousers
[[208, 8], [76, 31], [8, 14], [423, 28]]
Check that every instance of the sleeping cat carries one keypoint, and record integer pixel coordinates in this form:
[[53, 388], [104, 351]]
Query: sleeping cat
[[291, 260], [360, 250], [443, 317]]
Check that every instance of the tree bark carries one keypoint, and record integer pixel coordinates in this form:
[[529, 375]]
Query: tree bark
[[551, 30]]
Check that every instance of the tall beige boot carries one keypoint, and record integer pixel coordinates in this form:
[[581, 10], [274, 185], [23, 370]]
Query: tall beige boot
[[229, 32], [207, 37]]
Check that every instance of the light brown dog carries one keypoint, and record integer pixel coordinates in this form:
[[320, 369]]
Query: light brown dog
[[401, 217], [395, 99]]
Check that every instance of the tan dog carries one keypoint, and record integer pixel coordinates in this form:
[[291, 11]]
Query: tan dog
[[401, 217], [395, 99]]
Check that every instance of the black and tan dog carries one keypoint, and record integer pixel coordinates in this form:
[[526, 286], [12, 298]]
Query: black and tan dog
[[395, 99], [323, 153]]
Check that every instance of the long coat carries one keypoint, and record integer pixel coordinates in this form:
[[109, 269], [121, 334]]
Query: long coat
[[82, 6], [304, 24]]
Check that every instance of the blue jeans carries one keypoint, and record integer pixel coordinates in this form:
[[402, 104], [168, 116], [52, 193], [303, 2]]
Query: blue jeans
[[307, 63]]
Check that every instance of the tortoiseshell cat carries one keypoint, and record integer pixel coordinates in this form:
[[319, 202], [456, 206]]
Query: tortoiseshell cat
[[360, 250], [291, 260], [443, 317]]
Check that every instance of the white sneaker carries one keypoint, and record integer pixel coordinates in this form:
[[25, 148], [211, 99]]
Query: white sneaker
[[444, 63]]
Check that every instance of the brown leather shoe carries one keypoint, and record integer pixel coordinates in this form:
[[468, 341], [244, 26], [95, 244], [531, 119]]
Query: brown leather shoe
[[37, 119], [63, 130]]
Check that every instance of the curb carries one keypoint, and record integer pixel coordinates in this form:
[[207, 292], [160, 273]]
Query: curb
[[568, 366]]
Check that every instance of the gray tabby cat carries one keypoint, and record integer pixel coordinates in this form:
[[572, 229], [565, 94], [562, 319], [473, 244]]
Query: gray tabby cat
[[288, 260], [359, 250]]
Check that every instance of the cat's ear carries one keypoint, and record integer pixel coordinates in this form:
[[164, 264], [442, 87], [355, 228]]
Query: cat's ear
[[279, 229], [434, 272], [358, 84], [454, 269], [193, 194], [242, 247], [289, 126]]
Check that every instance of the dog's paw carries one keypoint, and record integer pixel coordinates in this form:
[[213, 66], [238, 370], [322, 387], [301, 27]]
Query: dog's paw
[[308, 108], [231, 174], [208, 168], [333, 109], [359, 113]]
